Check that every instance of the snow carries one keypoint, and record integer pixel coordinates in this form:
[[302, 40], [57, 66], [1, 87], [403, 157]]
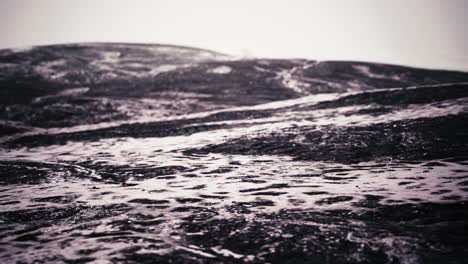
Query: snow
[[221, 70]]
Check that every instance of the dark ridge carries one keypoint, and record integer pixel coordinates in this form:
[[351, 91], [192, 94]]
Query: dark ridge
[[436, 233], [6, 130], [376, 75], [403, 97], [424, 138], [28, 172]]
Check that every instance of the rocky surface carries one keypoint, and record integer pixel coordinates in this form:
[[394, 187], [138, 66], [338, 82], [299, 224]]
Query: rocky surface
[[119, 153]]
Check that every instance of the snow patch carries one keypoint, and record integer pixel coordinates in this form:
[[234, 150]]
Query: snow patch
[[366, 70], [197, 252], [46, 69], [163, 68], [68, 92], [164, 49], [74, 91], [221, 70], [226, 253], [289, 81], [111, 56], [261, 69]]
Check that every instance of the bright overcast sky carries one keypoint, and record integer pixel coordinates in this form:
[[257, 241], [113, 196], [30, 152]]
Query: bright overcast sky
[[426, 33]]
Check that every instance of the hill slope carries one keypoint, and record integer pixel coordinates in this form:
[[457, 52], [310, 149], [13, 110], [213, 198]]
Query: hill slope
[[76, 84]]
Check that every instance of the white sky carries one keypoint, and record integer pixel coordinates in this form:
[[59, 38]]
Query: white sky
[[425, 33]]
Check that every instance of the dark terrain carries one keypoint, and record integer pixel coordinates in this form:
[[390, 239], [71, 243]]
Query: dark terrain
[[125, 153]]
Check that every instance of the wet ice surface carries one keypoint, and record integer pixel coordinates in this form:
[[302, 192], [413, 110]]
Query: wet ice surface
[[197, 197]]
